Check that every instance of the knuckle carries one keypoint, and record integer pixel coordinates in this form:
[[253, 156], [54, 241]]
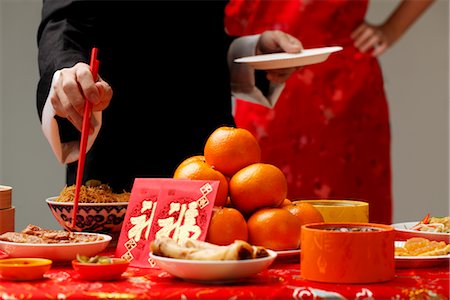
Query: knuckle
[[82, 72], [68, 86]]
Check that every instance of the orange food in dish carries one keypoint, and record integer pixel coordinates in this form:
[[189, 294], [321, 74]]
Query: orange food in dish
[[418, 246]]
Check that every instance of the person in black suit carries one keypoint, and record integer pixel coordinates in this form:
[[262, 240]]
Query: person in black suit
[[163, 85]]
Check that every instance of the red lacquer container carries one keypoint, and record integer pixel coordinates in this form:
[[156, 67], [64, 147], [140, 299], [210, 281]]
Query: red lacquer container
[[347, 252]]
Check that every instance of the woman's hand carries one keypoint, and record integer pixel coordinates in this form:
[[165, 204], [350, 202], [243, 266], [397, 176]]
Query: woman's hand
[[367, 37], [273, 41], [71, 87], [380, 38]]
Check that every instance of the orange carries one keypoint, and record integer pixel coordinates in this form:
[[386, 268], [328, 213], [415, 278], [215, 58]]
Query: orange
[[229, 149], [227, 225], [256, 186], [191, 159], [305, 212], [196, 168], [274, 228], [285, 202]]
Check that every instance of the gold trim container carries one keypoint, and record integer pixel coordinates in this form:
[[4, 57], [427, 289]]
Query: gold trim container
[[341, 210]]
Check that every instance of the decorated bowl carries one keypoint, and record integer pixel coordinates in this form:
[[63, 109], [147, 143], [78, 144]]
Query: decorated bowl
[[91, 217]]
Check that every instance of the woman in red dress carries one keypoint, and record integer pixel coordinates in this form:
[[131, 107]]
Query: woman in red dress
[[329, 130]]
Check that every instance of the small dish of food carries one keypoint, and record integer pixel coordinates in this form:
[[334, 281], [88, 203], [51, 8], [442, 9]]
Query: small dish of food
[[99, 268], [23, 269], [204, 262], [432, 228]]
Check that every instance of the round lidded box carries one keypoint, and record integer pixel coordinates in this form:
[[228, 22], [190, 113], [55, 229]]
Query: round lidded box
[[5, 196], [347, 252]]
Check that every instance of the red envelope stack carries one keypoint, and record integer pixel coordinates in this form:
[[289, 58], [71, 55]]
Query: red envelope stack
[[6, 210], [176, 208]]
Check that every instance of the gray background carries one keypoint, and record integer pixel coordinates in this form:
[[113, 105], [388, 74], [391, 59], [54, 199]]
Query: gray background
[[416, 72]]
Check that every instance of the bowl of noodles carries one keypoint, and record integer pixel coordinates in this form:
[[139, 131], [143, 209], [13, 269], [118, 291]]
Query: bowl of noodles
[[99, 208]]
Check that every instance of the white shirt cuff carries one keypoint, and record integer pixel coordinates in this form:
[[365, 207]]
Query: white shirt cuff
[[65, 152], [242, 76]]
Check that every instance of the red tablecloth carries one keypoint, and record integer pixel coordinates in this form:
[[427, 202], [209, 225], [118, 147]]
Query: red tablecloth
[[281, 281]]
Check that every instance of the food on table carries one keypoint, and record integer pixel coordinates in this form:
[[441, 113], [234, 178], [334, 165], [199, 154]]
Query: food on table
[[274, 228], [433, 224], [97, 259], [227, 224], [229, 149], [196, 168], [351, 229], [418, 246], [198, 250], [33, 234], [99, 268], [92, 192]]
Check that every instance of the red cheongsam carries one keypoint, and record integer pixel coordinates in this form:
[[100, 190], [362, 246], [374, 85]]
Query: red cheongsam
[[329, 131]]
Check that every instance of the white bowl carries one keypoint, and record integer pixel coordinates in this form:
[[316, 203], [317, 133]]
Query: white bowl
[[91, 217], [213, 271]]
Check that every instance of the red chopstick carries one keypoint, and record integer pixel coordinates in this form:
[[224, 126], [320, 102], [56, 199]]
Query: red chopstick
[[84, 137]]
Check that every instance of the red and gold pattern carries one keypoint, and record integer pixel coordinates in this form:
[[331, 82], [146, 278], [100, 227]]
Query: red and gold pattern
[[280, 281]]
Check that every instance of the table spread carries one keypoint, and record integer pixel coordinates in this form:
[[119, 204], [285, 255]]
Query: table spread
[[282, 280]]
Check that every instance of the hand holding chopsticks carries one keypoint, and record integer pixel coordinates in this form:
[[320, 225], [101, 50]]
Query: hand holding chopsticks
[[94, 64]]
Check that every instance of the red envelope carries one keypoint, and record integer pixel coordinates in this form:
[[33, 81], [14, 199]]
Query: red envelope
[[177, 208]]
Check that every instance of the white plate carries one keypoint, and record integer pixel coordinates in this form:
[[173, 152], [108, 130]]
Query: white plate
[[288, 60], [419, 261], [213, 271], [404, 232], [56, 252]]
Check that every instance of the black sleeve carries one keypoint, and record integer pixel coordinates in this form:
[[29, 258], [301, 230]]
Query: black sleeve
[[65, 37]]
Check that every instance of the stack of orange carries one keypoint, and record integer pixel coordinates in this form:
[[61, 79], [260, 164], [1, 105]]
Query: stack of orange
[[251, 202]]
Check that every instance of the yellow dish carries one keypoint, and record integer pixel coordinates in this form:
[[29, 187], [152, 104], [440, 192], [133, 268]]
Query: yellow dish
[[341, 210], [22, 269]]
